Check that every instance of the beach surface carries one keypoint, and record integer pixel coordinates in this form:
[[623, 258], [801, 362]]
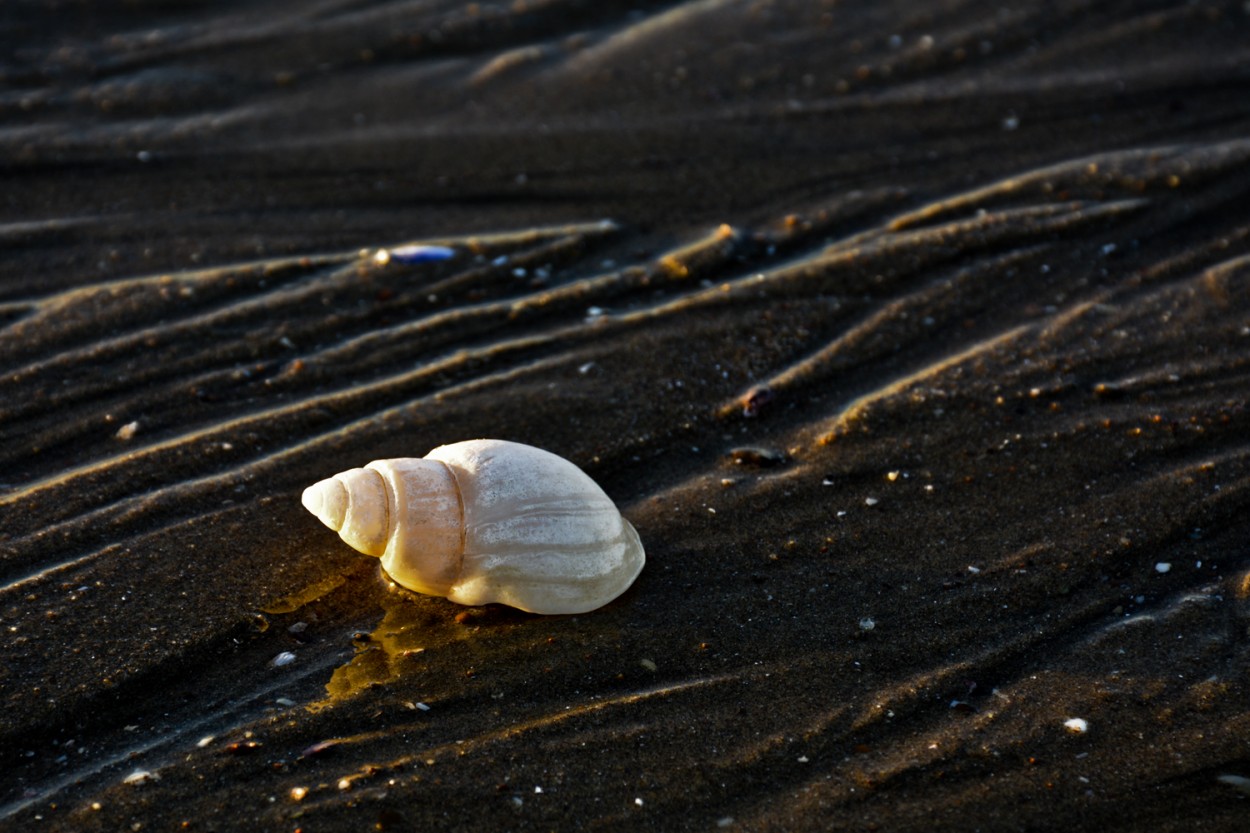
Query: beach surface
[[913, 338]]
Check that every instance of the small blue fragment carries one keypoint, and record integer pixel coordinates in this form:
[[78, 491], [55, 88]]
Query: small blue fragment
[[422, 254]]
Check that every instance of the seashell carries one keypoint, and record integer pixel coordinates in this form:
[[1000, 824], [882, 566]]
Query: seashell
[[486, 521]]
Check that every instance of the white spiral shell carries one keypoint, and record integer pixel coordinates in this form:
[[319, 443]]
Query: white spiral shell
[[486, 521]]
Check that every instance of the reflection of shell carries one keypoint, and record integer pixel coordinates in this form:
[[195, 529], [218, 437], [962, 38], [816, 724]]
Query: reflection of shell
[[486, 521]]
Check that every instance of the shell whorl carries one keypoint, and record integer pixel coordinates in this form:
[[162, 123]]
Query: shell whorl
[[406, 510], [540, 535]]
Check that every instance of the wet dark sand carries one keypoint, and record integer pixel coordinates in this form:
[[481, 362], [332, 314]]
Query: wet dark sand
[[981, 276]]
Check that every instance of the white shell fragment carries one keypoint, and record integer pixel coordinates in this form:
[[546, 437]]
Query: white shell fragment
[[284, 658], [1236, 781], [421, 254], [486, 521]]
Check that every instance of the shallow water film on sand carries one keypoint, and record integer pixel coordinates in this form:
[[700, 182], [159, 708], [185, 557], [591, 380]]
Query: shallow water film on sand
[[913, 338]]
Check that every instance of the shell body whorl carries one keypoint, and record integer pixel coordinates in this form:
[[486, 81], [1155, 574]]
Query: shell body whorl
[[486, 521]]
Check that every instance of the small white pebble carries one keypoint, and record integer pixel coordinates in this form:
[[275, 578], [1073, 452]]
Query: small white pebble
[[871, 501], [867, 624], [891, 476], [972, 569], [205, 741], [1162, 567], [648, 664], [298, 793], [423, 707], [725, 821], [140, 776], [382, 257], [128, 430], [538, 790], [585, 368], [638, 801], [1076, 725], [802, 759], [345, 784]]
